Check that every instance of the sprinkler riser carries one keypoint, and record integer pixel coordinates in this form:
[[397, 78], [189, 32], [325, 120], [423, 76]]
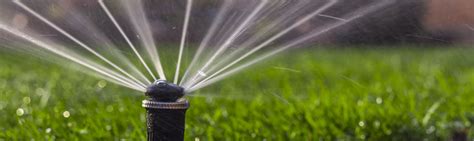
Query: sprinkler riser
[[166, 123], [166, 112]]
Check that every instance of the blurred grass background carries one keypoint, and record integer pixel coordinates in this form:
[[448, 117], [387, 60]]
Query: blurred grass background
[[366, 93]]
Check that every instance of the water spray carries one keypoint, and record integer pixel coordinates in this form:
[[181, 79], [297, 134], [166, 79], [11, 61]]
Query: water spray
[[233, 26], [166, 111]]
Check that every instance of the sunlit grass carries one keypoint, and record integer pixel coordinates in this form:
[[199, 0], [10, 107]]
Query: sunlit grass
[[337, 93]]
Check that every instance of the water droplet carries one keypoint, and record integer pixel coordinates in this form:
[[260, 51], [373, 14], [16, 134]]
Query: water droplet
[[101, 84], [83, 131], [360, 103], [26, 100], [20, 112], [389, 90], [48, 130], [361, 123], [379, 100], [110, 108], [121, 109], [468, 124], [66, 114], [377, 124], [196, 139], [388, 132], [108, 127]]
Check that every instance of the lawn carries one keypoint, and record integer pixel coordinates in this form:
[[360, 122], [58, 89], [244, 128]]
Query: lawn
[[389, 93]]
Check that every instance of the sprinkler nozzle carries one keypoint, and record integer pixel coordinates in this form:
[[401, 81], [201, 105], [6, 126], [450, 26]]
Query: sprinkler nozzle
[[166, 111], [164, 91]]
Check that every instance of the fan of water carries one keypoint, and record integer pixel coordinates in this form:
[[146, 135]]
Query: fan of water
[[115, 39]]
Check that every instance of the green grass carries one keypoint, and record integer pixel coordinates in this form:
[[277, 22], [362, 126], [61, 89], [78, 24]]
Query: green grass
[[312, 94]]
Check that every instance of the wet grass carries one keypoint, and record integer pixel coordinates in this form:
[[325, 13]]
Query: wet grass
[[332, 93]]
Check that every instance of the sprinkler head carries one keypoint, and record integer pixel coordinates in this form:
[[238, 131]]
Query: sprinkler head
[[164, 91]]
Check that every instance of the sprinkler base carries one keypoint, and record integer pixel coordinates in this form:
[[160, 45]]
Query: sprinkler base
[[165, 120]]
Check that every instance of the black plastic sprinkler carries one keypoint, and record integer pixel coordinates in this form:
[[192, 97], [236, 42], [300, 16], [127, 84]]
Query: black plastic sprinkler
[[166, 111]]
